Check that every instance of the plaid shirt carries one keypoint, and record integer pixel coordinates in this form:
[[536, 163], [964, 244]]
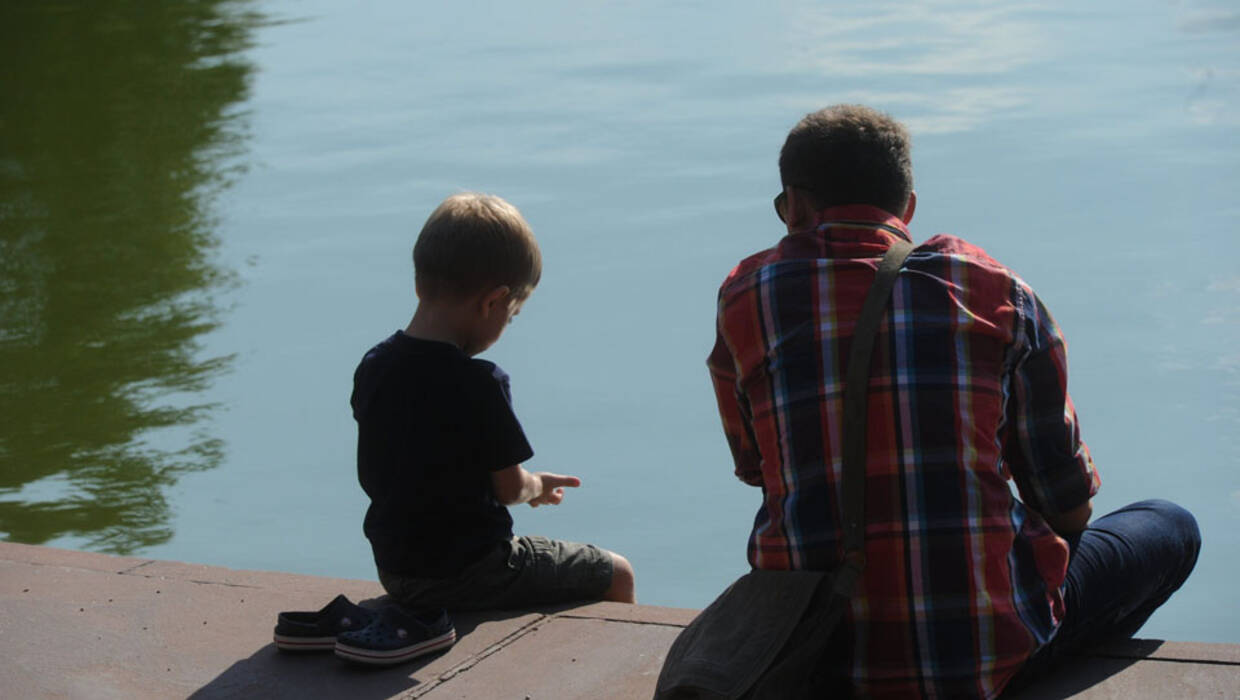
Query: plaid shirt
[[968, 388]]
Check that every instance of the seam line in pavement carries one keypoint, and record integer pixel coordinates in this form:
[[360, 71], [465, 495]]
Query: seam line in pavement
[[473, 660], [223, 583], [1163, 659], [569, 616], [133, 571], [135, 567]]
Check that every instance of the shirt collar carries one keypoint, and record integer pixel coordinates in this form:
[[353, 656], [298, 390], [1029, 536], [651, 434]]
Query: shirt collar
[[859, 222]]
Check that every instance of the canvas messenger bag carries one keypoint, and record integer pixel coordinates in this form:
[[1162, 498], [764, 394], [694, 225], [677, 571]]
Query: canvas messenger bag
[[765, 635]]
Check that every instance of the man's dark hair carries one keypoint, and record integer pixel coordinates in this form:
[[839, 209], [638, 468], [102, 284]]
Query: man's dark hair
[[849, 154]]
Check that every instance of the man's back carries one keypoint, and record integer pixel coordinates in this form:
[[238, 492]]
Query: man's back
[[964, 586], [968, 382]]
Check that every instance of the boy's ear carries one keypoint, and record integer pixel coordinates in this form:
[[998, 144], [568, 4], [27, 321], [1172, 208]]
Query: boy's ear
[[493, 297]]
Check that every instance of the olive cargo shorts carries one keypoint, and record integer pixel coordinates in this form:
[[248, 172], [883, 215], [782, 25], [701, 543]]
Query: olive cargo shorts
[[521, 572]]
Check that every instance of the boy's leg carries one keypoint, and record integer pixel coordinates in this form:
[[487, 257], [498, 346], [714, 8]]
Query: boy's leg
[[623, 588], [480, 585], [1122, 567], [525, 571], [555, 571]]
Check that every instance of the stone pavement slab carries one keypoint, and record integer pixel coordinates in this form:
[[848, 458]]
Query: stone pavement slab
[[82, 625], [1147, 668], [565, 657]]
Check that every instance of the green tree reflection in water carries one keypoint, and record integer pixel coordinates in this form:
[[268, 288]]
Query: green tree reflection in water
[[118, 123]]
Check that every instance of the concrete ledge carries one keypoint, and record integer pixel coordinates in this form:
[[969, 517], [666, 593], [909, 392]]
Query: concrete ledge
[[76, 624]]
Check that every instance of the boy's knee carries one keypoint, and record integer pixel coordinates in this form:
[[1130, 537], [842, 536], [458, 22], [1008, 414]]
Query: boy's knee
[[623, 581]]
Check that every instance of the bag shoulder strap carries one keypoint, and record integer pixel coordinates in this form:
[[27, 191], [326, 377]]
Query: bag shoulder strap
[[745, 636], [856, 395]]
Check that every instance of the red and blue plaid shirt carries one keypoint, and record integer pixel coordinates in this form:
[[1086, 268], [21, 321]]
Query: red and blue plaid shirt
[[968, 389]]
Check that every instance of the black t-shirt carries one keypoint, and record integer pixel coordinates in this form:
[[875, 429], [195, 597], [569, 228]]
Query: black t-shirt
[[432, 426]]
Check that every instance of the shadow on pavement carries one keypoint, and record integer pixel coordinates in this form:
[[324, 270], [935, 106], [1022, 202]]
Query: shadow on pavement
[[271, 673], [1077, 674]]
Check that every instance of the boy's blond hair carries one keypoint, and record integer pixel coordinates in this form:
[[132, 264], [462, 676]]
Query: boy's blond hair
[[472, 243]]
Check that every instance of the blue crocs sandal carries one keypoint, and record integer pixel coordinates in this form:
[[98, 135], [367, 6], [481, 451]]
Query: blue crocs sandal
[[396, 635], [316, 631]]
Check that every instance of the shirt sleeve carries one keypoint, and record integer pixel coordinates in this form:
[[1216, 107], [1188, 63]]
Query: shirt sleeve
[[1042, 443], [734, 410], [501, 441]]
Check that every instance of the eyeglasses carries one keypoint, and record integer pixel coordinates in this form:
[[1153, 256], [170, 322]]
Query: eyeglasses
[[780, 200]]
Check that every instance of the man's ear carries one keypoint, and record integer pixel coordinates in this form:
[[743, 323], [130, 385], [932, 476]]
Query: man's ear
[[910, 208], [493, 297], [799, 209]]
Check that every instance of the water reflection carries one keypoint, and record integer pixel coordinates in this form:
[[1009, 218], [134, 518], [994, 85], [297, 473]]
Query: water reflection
[[118, 124]]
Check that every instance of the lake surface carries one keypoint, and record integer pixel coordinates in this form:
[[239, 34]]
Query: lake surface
[[207, 209]]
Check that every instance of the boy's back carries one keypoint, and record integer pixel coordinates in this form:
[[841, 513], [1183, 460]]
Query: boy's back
[[439, 448], [432, 426]]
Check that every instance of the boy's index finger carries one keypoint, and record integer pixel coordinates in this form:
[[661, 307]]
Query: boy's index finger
[[559, 480]]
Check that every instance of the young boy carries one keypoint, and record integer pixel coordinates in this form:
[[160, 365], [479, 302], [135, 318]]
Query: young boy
[[439, 448]]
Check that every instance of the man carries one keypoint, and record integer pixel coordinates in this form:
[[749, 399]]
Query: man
[[965, 585]]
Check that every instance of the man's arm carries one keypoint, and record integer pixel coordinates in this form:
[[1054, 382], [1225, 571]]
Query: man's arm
[[514, 485], [735, 414], [1042, 443]]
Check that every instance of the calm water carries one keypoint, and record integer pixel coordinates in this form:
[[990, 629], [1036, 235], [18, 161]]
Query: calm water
[[206, 212]]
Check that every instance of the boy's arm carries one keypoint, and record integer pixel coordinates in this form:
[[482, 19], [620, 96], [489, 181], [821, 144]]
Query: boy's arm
[[514, 485]]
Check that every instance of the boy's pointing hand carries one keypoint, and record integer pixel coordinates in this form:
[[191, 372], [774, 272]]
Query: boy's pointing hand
[[553, 488]]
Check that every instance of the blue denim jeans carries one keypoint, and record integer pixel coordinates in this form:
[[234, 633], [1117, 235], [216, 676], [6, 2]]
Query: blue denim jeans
[[1121, 568]]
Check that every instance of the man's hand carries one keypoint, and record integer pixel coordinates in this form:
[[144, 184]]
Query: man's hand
[[552, 488], [1072, 522]]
